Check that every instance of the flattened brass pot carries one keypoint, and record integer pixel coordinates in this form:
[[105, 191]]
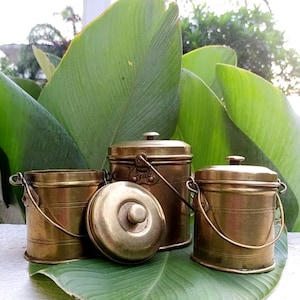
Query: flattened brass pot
[[234, 227], [125, 222], [56, 202], [162, 167]]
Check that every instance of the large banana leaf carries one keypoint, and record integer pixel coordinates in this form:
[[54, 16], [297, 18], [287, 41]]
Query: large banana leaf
[[202, 62], [202, 119], [119, 78], [30, 138], [263, 113], [168, 275], [201, 122]]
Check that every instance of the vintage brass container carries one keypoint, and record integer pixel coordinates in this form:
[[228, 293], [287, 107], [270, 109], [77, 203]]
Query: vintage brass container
[[234, 227], [125, 222], [162, 167], [56, 202]]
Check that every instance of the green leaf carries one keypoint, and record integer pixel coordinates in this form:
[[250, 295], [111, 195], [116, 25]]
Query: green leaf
[[168, 275], [30, 138], [122, 79], [55, 60], [208, 129], [263, 113], [207, 126], [30, 86], [44, 62], [202, 62], [33, 139]]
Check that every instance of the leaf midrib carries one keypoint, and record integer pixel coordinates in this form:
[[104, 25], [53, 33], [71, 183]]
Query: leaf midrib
[[160, 274]]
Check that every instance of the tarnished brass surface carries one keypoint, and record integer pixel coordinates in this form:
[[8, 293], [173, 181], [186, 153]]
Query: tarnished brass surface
[[240, 201], [61, 196], [172, 160], [126, 222]]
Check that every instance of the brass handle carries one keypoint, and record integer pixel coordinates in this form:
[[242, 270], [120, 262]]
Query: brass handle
[[19, 179], [197, 190], [143, 158]]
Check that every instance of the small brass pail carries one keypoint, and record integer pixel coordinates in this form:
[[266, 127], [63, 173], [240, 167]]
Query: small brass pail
[[162, 167], [56, 201], [234, 227]]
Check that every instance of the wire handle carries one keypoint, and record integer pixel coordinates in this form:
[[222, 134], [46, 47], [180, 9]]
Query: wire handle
[[17, 180], [143, 158], [194, 187]]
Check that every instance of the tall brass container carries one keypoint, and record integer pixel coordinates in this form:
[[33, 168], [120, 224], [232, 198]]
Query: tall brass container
[[235, 217], [162, 167], [56, 202]]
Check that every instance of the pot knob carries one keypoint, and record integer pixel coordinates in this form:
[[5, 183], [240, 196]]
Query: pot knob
[[150, 135], [235, 159], [137, 214]]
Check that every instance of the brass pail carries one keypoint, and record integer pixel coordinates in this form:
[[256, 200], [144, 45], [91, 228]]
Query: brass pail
[[234, 227], [162, 167], [56, 201]]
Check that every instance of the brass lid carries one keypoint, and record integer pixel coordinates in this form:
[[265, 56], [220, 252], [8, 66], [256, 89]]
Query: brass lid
[[65, 177], [237, 173], [125, 222], [151, 147]]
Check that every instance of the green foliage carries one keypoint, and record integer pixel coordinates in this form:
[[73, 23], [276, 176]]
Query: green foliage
[[70, 16], [168, 275], [7, 67], [44, 61], [101, 94], [266, 130], [47, 41], [30, 86], [251, 33], [100, 97], [145, 73], [30, 137]]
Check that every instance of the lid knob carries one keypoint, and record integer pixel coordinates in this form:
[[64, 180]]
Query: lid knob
[[136, 214], [150, 135], [235, 159]]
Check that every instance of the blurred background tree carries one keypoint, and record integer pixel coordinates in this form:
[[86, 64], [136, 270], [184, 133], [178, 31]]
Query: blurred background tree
[[7, 67], [47, 38], [252, 33]]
